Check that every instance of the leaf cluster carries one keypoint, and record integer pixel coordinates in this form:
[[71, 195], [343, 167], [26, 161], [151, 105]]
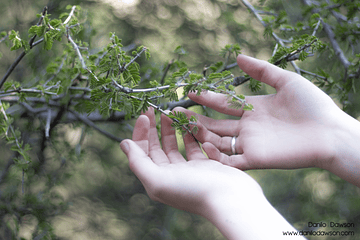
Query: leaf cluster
[[182, 123], [300, 49]]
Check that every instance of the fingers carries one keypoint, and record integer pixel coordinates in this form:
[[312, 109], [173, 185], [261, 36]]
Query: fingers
[[139, 161], [155, 151], [217, 101], [169, 142], [221, 127], [141, 133], [192, 148], [264, 71], [217, 132], [237, 161], [223, 143]]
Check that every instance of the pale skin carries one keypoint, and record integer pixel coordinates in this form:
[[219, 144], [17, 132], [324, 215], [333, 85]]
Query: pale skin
[[299, 126], [226, 196]]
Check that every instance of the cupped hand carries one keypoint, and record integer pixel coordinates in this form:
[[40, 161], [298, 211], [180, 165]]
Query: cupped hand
[[289, 129], [184, 184]]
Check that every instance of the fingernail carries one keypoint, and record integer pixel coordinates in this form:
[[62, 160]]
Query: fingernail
[[125, 147]]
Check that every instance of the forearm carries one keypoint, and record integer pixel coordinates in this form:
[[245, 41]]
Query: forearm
[[346, 163], [255, 220]]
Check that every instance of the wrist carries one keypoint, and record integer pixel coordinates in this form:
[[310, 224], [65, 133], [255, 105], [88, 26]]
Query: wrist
[[346, 160], [239, 216]]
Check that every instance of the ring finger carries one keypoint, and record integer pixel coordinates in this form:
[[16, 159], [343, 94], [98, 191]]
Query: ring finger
[[223, 143]]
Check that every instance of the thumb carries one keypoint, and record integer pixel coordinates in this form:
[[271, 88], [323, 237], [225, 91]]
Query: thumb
[[139, 162], [264, 71], [237, 161]]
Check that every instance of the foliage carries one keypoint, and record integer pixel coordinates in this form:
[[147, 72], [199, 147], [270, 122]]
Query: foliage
[[82, 85]]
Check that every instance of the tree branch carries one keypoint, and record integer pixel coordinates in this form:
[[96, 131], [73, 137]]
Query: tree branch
[[327, 28], [133, 59], [292, 54], [93, 125], [338, 51], [165, 72], [70, 15], [38, 24], [275, 36], [77, 49], [20, 57]]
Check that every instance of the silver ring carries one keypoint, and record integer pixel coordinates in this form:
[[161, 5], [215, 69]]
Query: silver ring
[[233, 141]]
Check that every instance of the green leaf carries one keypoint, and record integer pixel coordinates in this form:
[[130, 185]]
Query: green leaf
[[35, 30], [63, 15], [241, 96], [22, 97], [147, 54], [303, 55], [180, 73], [248, 107], [16, 40], [225, 74], [48, 41], [55, 23], [52, 68], [254, 85], [214, 75], [267, 32], [193, 118]]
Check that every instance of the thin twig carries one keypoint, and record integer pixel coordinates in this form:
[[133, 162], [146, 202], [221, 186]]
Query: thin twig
[[275, 36], [70, 15], [94, 116], [32, 110], [93, 125], [30, 90], [320, 77], [20, 57], [11, 68], [295, 52], [17, 142], [275, 49], [5, 117], [338, 51], [133, 59], [316, 27], [165, 72], [223, 79], [38, 24], [47, 126], [240, 80], [230, 66], [57, 72], [327, 28], [140, 90], [227, 92], [158, 108], [76, 47]]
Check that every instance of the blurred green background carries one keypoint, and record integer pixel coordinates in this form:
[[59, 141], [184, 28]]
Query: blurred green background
[[103, 197]]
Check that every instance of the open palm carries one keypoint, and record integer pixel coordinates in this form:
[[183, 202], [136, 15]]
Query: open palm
[[187, 184], [289, 129]]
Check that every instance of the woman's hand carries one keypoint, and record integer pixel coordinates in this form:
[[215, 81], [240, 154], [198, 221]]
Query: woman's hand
[[299, 126], [170, 179], [226, 196], [289, 129]]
